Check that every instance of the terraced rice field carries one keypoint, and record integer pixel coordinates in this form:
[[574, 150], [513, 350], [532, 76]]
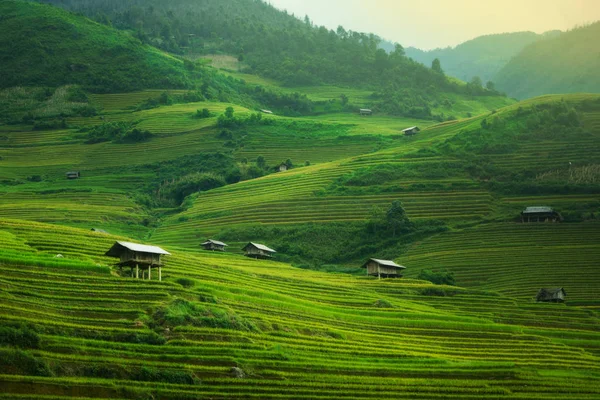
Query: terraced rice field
[[516, 259], [312, 335]]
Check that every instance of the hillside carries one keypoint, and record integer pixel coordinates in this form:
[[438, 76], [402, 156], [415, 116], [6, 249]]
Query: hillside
[[46, 46], [483, 56], [222, 326], [454, 174], [274, 45], [564, 64], [173, 163]]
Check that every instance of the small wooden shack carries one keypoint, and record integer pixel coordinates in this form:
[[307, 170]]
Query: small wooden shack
[[138, 256], [283, 167], [413, 130], [214, 245], [540, 214], [73, 175], [365, 112], [256, 250], [556, 295], [383, 268], [97, 230]]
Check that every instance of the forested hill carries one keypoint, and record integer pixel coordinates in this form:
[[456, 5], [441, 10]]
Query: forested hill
[[568, 63], [46, 46], [483, 56], [274, 44]]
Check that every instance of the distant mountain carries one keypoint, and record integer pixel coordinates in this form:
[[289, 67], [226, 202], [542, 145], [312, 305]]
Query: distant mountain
[[568, 63], [41, 45], [484, 56]]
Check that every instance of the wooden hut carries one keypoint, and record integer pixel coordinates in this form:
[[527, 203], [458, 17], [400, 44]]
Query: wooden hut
[[540, 214], [383, 268], [413, 130], [138, 256], [73, 175], [256, 250], [365, 112], [283, 167], [214, 245], [97, 230], [556, 295]]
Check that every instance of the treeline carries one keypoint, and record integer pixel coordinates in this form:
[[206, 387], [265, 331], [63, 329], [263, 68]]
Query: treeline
[[274, 44]]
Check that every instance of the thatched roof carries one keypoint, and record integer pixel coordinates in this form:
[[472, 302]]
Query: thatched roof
[[387, 263], [260, 247], [118, 247], [209, 241]]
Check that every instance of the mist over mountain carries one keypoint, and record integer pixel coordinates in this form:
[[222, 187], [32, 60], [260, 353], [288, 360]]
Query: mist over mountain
[[567, 63], [483, 56]]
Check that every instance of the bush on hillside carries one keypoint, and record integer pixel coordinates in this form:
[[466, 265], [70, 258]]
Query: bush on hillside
[[117, 132], [19, 362], [22, 337], [181, 312], [177, 190], [442, 277]]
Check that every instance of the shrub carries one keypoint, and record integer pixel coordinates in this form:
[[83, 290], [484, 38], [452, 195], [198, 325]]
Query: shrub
[[19, 337], [179, 189], [205, 113], [436, 292], [182, 312], [19, 362], [439, 278], [186, 282]]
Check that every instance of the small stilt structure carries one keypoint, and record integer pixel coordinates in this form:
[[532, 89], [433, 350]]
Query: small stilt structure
[[385, 268], [140, 256]]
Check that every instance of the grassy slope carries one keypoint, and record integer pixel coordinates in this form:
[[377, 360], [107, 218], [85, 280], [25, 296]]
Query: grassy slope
[[42, 45], [564, 64], [314, 334]]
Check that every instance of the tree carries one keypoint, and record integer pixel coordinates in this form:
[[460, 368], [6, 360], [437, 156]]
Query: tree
[[436, 66], [477, 82], [376, 218], [396, 217], [229, 112], [490, 86], [261, 162], [344, 99], [289, 163]]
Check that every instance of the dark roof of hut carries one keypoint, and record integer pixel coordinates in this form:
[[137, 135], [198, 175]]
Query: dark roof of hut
[[387, 263], [209, 241], [118, 247], [550, 294], [260, 247]]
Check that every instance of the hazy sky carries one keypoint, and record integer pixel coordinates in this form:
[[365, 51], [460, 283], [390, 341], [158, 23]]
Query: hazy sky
[[439, 23]]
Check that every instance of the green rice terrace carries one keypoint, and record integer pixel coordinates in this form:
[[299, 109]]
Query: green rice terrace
[[225, 326], [220, 325], [156, 166], [390, 232]]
